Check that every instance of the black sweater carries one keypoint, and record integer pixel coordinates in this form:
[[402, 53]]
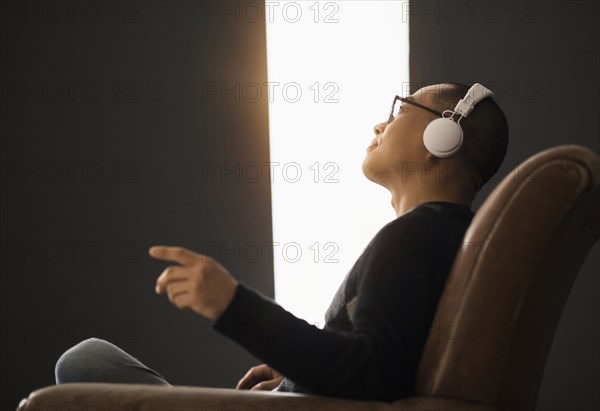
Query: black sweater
[[378, 321]]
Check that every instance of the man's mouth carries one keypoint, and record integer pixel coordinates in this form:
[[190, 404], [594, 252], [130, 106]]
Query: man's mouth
[[374, 144]]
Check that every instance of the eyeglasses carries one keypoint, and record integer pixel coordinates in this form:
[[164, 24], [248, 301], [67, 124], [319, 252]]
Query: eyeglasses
[[393, 113]]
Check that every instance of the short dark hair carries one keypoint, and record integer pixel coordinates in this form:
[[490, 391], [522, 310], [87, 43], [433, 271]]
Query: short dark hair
[[485, 132]]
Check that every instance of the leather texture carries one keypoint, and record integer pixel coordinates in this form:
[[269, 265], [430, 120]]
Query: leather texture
[[138, 397], [495, 320]]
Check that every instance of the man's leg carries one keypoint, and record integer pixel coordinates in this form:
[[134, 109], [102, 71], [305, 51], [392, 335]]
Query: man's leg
[[97, 360]]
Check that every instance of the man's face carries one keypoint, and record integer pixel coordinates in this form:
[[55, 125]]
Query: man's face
[[399, 144]]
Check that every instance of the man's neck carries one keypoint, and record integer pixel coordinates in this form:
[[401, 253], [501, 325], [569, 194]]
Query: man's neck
[[405, 198]]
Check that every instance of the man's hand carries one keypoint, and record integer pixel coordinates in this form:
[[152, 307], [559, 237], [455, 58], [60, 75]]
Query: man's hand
[[261, 377], [200, 283]]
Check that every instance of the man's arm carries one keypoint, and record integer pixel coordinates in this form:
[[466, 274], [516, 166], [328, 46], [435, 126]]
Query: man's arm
[[378, 359]]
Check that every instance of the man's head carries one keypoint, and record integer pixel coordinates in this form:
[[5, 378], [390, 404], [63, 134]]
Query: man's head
[[400, 156]]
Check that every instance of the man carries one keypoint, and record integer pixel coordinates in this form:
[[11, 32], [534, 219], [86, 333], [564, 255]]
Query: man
[[378, 321]]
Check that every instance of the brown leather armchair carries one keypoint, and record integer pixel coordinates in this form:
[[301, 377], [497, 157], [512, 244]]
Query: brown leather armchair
[[495, 321]]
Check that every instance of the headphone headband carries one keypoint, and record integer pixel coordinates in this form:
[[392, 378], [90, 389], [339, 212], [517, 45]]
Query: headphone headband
[[476, 93]]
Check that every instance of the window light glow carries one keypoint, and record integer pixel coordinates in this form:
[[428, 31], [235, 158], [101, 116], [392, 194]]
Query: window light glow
[[333, 70]]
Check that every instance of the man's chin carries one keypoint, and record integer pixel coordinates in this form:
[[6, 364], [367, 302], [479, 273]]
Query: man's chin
[[368, 173]]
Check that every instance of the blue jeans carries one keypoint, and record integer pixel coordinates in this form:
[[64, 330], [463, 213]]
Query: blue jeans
[[97, 360]]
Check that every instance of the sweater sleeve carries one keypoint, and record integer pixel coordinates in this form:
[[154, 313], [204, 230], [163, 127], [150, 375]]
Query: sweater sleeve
[[378, 359]]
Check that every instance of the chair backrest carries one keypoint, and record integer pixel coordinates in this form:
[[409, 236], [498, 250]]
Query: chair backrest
[[504, 295]]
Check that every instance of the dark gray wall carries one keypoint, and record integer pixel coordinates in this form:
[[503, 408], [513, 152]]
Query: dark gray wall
[[108, 147], [541, 60]]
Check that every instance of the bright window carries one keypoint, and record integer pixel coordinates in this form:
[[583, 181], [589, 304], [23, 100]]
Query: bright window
[[333, 71]]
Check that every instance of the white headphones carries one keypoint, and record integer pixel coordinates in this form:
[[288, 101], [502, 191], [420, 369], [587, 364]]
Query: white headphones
[[443, 137]]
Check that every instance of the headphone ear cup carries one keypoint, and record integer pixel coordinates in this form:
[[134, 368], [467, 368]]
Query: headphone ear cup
[[443, 137]]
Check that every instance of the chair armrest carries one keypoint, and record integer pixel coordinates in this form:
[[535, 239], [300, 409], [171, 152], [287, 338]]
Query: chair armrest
[[137, 397]]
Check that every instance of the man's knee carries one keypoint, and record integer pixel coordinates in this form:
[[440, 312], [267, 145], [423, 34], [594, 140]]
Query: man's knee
[[80, 362]]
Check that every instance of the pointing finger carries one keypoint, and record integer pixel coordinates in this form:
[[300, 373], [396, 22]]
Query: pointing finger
[[180, 255]]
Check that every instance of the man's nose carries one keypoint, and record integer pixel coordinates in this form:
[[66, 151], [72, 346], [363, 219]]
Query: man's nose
[[378, 128]]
